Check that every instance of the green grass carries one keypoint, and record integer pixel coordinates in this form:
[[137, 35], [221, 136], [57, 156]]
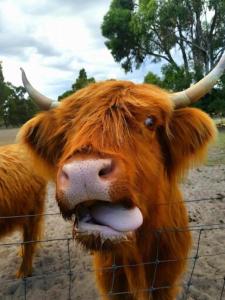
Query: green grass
[[217, 151], [219, 121]]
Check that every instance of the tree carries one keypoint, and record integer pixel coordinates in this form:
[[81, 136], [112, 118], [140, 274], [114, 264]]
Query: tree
[[117, 29], [5, 92], [81, 81], [15, 109], [154, 29], [171, 78], [187, 35], [153, 79], [2, 91], [1, 82], [214, 102]]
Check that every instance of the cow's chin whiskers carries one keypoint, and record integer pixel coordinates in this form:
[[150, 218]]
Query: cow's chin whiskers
[[98, 240]]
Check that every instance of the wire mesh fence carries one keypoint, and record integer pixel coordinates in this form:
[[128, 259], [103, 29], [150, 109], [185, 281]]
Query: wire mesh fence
[[65, 266]]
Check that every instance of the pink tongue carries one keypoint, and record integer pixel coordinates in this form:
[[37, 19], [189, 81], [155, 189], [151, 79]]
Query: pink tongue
[[117, 217]]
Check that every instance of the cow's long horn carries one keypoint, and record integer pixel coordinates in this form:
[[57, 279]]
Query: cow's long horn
[[201, 88], [42, 101]]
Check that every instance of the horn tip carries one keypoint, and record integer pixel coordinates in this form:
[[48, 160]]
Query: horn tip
[[24, 77]]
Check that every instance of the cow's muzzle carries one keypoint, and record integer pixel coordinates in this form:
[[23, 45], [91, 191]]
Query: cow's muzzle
[[83, 190]]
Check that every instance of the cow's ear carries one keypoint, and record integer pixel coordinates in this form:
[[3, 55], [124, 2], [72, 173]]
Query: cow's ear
[[44, 137], [186, 140]]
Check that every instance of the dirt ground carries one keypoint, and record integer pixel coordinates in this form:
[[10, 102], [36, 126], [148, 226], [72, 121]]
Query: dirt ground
[[7, 136], [63, 270]]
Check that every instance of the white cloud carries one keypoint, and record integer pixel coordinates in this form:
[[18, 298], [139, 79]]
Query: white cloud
[[53, 40]]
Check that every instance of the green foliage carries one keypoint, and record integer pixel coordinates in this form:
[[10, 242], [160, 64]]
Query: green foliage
[[2, 91], [175, 79], [65, 94], [156, 29], [15, 109], [153, 79], [172, 78], [213, 103], [117, 27], [136, 30], [81, 81]]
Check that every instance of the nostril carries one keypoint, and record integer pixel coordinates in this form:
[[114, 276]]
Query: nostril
[[106, 170]]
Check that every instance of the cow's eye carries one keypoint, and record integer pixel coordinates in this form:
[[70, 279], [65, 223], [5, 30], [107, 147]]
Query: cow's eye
[[150, 122]]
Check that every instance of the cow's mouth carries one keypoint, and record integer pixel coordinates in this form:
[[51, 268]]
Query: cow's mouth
[[100, 222]]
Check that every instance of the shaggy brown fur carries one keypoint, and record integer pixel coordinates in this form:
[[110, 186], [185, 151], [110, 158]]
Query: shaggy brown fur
[[22, 192], [107, 120]]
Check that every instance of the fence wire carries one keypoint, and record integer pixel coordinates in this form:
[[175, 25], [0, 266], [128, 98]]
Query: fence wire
[[72, 273]]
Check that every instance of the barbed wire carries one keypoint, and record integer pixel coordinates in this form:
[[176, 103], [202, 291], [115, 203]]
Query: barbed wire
[[186, 285], [219, 197]]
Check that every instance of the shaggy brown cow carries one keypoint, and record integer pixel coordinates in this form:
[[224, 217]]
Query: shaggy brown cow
[[117, 151], [22, 192]]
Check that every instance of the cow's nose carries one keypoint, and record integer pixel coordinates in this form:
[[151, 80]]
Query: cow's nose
[[86, 179], [87, 170]]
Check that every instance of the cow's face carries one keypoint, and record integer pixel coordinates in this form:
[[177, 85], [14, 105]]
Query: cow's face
[[114, 147]]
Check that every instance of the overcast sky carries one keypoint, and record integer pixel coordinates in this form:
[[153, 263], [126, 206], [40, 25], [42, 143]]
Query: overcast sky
[[53, 39]]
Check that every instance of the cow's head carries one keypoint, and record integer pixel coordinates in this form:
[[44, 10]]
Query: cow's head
[[115, 149]]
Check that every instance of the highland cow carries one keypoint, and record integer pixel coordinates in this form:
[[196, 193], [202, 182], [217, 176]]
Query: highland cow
[[22, 195], [117, 151]]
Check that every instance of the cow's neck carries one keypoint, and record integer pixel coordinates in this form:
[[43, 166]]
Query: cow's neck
[[135, 268]]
